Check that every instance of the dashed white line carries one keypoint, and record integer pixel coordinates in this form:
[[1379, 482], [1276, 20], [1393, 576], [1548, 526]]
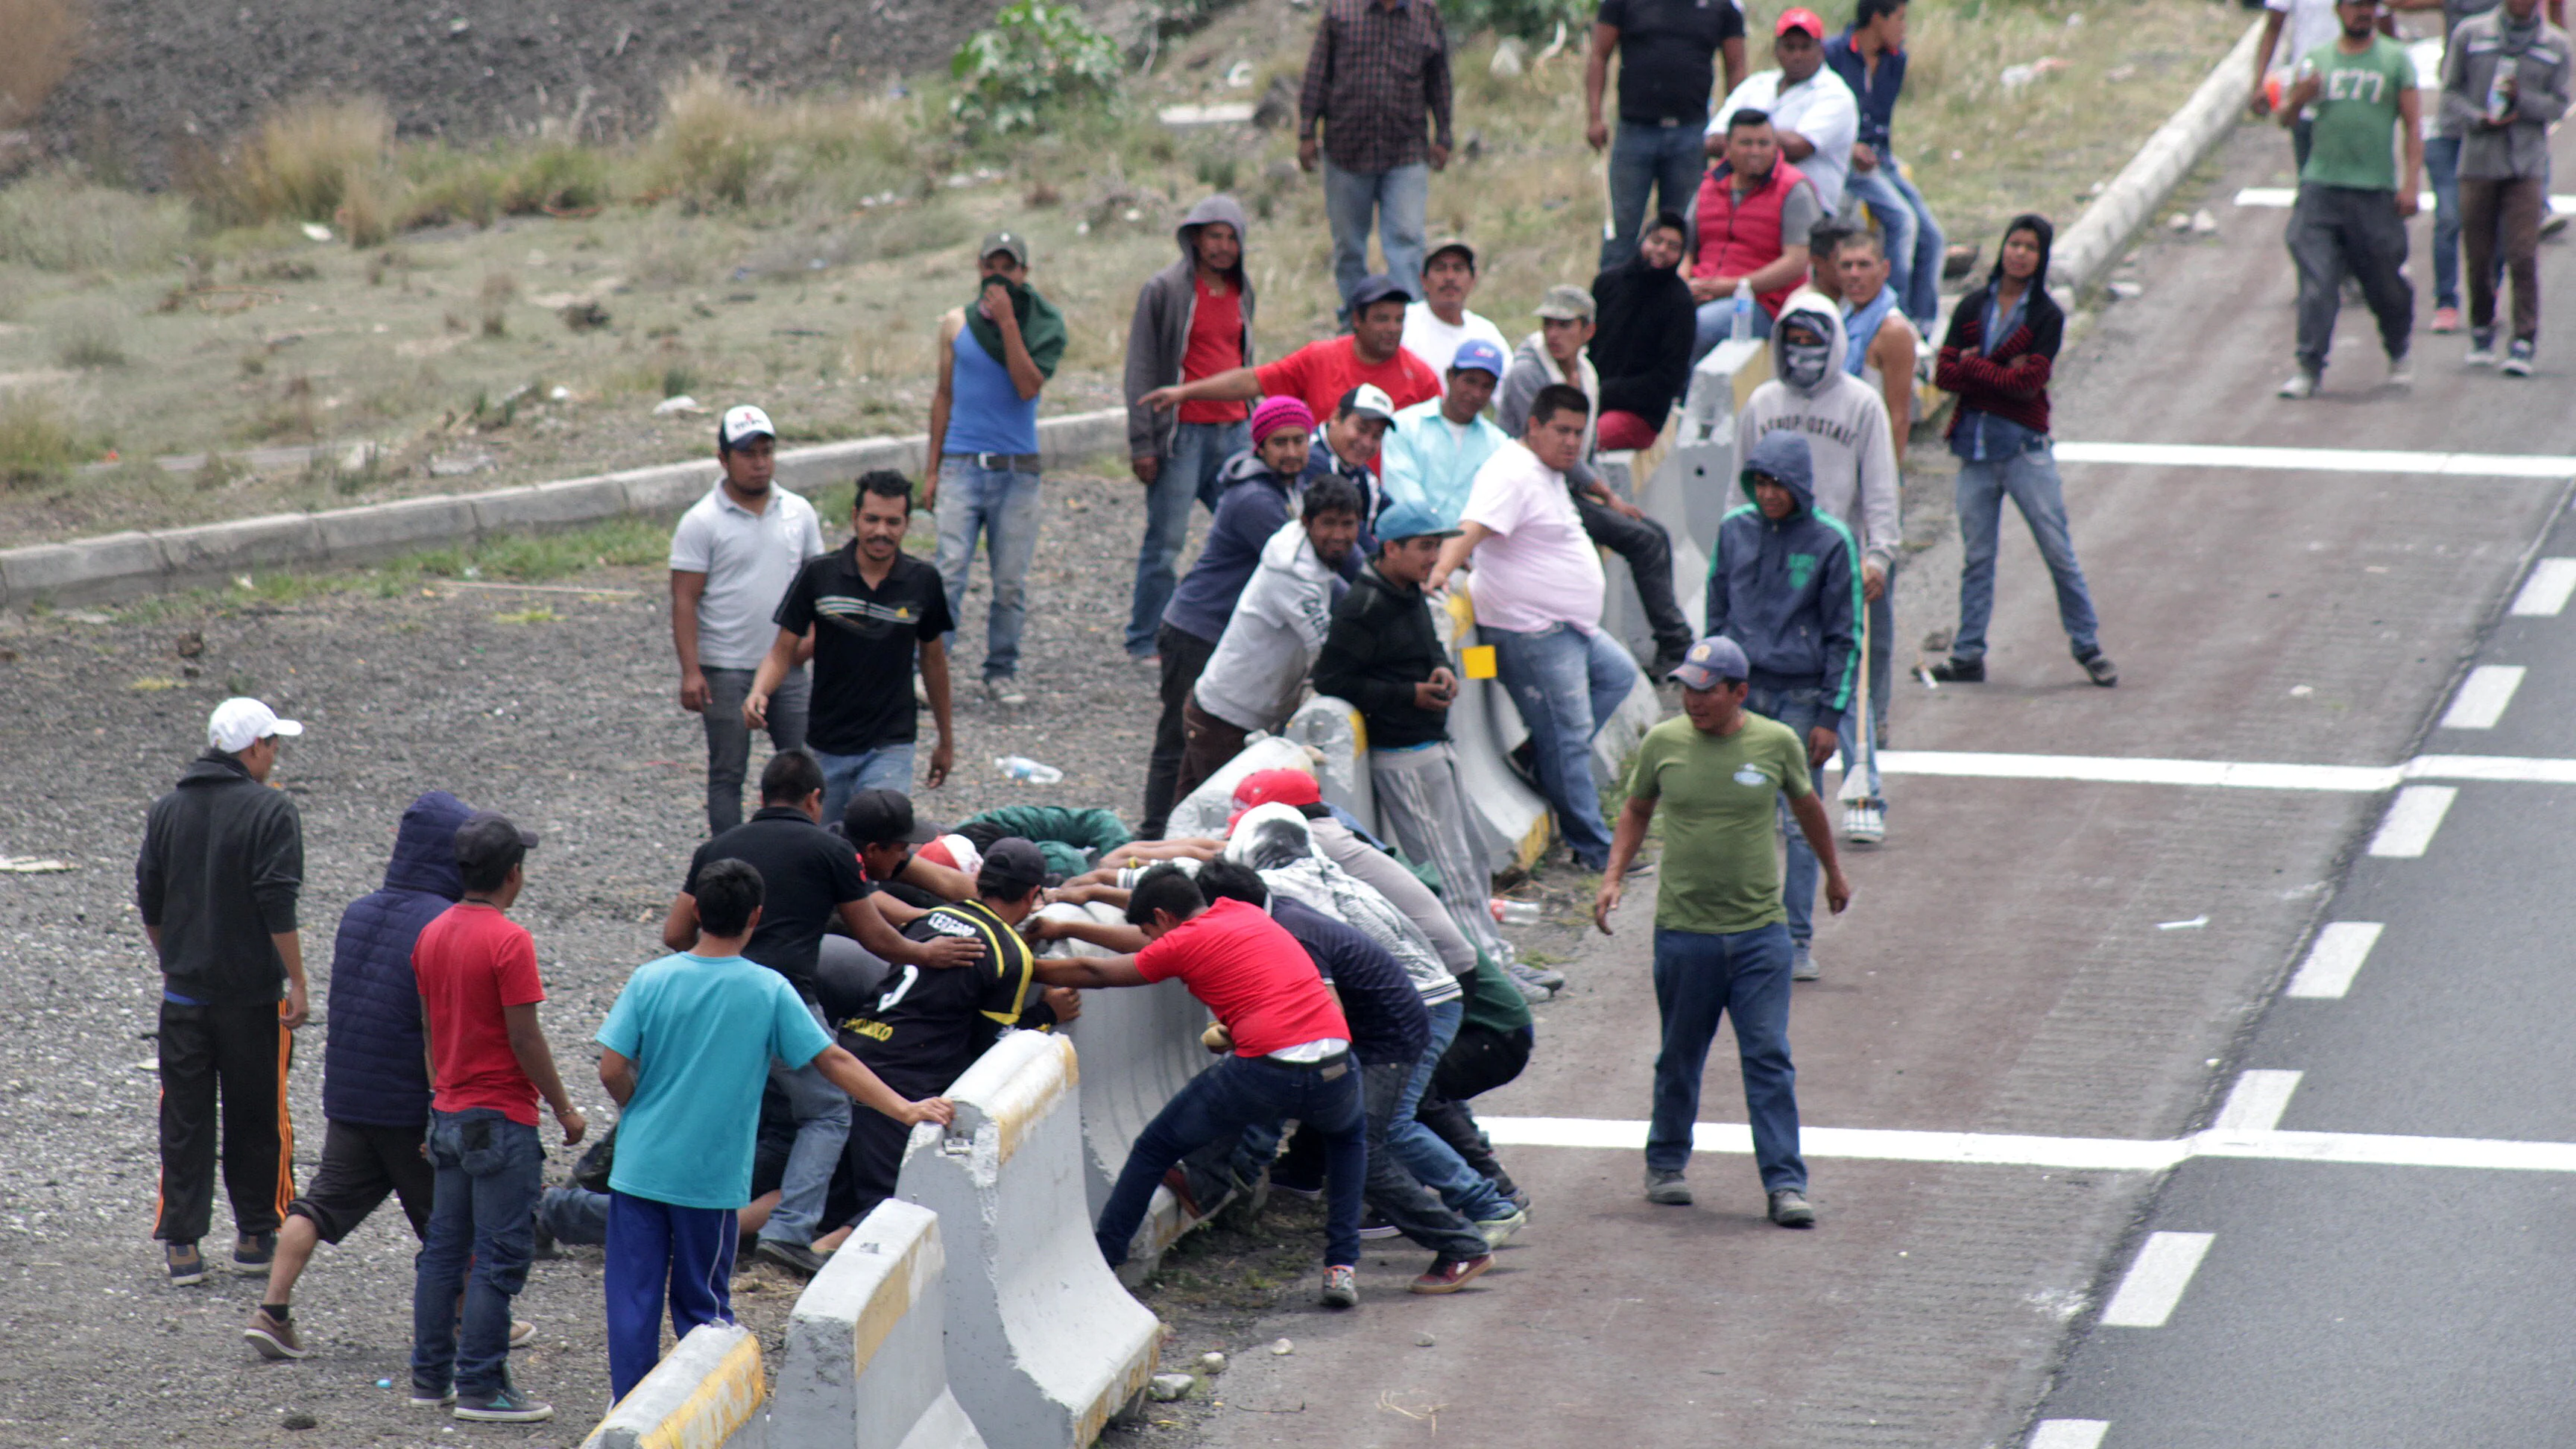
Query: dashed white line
[[2483, 697], [2320, 460], [2068, 1434], [2154, 1285], [2545, 592], [2256, 1102], [2334, 958], [2407, 829]]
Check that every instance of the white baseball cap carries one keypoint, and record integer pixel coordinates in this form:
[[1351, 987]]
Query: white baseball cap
[[1369, 401], [742, 424], [239, 723]]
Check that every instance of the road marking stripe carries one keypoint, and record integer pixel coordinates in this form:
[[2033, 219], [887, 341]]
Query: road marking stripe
[[2483, 697], [2358, 779], [2407, 829], [2256, 1102], [2281, 198], [2546, 591], [2334, 959], [2068, 1434], [2154, 1284], [2328, 460]]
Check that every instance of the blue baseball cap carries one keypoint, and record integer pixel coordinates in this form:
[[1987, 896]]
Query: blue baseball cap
[[1477, 352], [1712, 661], [1404, 518]]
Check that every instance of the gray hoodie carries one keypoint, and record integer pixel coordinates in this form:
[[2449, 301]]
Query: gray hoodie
[[1844, 421], [1533, 369], [1160, 333], [2535, 54]]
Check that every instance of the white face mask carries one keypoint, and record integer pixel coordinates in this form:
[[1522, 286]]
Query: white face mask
[[1802, 364]]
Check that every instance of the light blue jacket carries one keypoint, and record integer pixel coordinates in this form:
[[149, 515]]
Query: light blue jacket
[[1424, 459]]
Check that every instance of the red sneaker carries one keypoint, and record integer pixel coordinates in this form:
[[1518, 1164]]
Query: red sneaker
[[1448, 1275], [2446, 319]]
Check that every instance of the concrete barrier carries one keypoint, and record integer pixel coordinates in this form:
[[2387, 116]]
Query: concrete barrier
[[706, 1393], [1205, 810], [1334, 730], [1510, 819], [1619, 735], [1043, 1345], [1692, 489], [866, 1362]]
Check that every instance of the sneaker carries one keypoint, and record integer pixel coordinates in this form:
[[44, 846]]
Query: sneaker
[[1960, 671], [522, 1333], [2446, 319], [1498, 1231], [1373, 1227], [1531, 992], [1002, 690], [187, 1265], [274, 1338], [253, 1252], [1448, 1275], [1864, 823], [2517, 358], [2481, 351], [796, 1258], [2302, 383], [2099, 668], [2401, 370], [1802, 963], [1546, 980], [1341, 1287], [1665, 1185], [2552, 224], [1790, 1209], [425, 1396], [504, 1405]]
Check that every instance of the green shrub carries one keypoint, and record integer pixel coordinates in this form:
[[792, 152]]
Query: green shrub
[[36, 446], [555, 178], [62, 224], [1035, 60], [1528, 19]]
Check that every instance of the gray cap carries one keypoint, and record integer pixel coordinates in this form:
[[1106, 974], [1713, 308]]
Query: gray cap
[[1712, 661], [1566, 302], [488, 839], [1004, 241]]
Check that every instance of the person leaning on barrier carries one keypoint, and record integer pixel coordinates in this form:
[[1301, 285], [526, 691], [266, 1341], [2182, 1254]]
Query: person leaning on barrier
[[1347, 445], [1642, 337], [1434, 447], [2354, 202]]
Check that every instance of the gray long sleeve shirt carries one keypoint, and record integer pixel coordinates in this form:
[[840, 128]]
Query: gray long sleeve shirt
[[2536, 55]]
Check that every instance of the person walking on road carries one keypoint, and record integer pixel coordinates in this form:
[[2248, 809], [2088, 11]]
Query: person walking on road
[[216, 883], [1377, 71], [2354, 202], [1721, 772], [1668, 57], [489, 1063], [1438, 325], [732, 557], [687, 1048], [1996, 361], [1322, 373], [995, 356], [868, 614], [2505, 82], [1193, 320]]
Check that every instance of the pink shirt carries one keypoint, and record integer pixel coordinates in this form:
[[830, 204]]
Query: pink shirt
[[1538, 568]]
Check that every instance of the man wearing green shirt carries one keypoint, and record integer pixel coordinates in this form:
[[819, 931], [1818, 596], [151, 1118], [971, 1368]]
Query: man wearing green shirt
[[1721, 929], [2353, 203]]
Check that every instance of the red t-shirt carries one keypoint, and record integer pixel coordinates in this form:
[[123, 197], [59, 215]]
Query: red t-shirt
[[1251, 973], [1215, 345], [471, 962], [1320, 372]]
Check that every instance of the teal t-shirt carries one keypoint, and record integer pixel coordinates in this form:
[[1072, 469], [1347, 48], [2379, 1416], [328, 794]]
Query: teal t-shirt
[[700, 1031], [2353, 140]]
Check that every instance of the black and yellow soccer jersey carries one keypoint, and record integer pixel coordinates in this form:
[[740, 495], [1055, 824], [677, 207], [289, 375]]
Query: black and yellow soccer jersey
[[932, 1022]]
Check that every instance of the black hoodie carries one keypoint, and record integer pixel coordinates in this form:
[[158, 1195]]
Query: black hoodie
[[1644, 320], [1381, 644], [2010, 379], [222, 860]]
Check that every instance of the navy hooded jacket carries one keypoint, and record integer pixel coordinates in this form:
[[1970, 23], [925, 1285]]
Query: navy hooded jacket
[[372, 1073], [1787, 591]]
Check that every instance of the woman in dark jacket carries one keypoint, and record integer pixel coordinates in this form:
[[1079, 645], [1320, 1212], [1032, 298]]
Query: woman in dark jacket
[[1996, 360], [1641, 343]]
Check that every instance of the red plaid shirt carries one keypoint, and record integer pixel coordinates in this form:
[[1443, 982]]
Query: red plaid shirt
[[1377, 67]]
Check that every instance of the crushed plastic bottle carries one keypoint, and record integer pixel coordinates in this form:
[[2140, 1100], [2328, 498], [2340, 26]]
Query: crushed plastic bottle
[[1741, 330], [1027, 771], [1509, 912]]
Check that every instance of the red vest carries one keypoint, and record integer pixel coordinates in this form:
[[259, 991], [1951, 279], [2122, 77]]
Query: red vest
[[1737, 238]]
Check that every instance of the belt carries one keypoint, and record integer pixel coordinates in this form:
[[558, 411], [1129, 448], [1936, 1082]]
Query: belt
[[1001, 462], [1329, 1068]]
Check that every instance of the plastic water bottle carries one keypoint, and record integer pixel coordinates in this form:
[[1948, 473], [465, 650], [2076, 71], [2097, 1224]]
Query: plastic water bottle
[[1742, 330], [1510, 912], [1027, 771]]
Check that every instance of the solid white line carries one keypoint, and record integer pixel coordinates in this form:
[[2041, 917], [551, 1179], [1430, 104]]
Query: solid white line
[[2256, 1102], [2281, 198], [2497, 769], [2362, 779], [2155, 1281], [2407, 829], [2333, 960], [2068, 1434], [2329, 460], [2545, 592], [2483, 697]]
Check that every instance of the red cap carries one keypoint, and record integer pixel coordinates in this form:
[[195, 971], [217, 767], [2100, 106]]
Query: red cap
[[1277, 787], [1799, 19]]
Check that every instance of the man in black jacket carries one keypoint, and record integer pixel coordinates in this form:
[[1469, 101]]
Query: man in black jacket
[[1640, 345], [216, 882]]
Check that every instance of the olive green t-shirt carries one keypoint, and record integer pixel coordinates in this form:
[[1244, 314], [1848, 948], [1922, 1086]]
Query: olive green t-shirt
[[2353, 140], [1721, 867]]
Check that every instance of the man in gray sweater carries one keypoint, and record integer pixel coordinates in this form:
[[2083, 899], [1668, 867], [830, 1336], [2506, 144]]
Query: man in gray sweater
[[2504, 82]]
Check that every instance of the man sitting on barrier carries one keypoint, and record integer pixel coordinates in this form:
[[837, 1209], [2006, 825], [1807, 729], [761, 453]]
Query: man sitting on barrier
[[1291, 1057], [1643, 344], [1347, 447], [1434, 448]]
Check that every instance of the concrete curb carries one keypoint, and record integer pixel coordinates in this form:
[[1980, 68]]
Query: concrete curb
[[706, 1393], [124, 565], [2086, 248]]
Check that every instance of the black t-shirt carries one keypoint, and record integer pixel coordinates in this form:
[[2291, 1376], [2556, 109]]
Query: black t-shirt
[[864, 640], [1667, 55], [807, 874], [929, 1023]]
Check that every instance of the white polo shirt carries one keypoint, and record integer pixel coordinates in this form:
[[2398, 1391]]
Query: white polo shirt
[[749, 560], [1820, 108]]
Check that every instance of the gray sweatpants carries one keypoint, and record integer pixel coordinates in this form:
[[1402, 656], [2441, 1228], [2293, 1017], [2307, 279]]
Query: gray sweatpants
[[2335, 229], [729, 739], [1421, 808]]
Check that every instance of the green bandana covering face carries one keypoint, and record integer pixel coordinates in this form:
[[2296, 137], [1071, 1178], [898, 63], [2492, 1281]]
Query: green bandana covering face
[[1041, 325]]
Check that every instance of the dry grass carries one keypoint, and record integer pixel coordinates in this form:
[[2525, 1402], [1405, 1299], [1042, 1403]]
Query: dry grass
[[89, 338], [720, 146], [303, 164], [42, 39], [60, 223], [36, 444]]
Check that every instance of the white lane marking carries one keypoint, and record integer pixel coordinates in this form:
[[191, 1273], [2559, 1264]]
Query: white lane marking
[[2282, 198], [2497, 769], [2154, 1284], [2068, 1434], [2407, 829], [2483, 696], [2359, 779], [2333, 960], [2109, 1154], [2256, 1102], [2545, 592], [2327, 460]]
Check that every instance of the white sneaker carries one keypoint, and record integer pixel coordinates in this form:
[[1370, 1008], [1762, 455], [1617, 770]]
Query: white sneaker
[[1802, 963], [2517, 359], [2401, 371], [1864, 823], [2302, 383], [2482, 351], [1004, 692]]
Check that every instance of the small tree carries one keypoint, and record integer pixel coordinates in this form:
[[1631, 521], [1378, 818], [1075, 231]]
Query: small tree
[[1035, 59]]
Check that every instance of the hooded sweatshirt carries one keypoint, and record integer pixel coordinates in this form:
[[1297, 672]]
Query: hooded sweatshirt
[[1844, 421], [1532, 369], [1786, 590], [1642, 337], [1160, 333], [1253, 679], [1997, 366], [1254, 502], [1383, 641], [372, 1072], [222, 861]]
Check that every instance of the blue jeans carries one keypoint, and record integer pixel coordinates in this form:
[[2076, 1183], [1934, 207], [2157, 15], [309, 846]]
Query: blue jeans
[[1799, 709], [1189, 474], [822, 1113], [1744, 975], [1218, 1104], [1422, 1151], [654, 1247], [1717, 323], [1397, 199], [1664, 159], [887, 767], [1000, 507], [1881, 666], [1566, 684], [2030, 480], [490, 1171], [574, 1215], [1912, 237]]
